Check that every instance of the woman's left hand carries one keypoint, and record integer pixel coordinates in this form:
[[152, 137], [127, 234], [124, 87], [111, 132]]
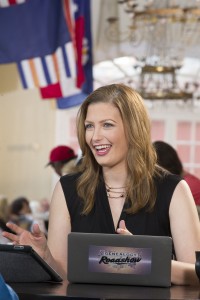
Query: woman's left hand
[[122, 228]]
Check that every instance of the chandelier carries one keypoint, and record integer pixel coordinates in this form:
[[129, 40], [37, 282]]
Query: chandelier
[[161, 33], [159, 82]]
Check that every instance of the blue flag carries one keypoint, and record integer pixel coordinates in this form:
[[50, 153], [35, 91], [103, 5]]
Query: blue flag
[[83, 36], [34, 28], [71, 101]]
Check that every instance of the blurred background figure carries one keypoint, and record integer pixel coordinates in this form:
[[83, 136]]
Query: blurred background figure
[[20, 213], [4, 207], [62, 159], [168, 158], [40, 213]]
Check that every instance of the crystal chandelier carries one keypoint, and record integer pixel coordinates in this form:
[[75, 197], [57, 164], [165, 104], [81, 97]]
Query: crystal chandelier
[[161, 33]]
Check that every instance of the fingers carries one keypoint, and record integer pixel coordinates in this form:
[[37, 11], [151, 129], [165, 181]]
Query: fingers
[[12, 237], [122, 224], [15, 228], [122, 228], [36, 230], [19, 232]]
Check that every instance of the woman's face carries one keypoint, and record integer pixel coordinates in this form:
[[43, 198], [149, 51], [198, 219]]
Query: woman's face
[[105, 134]]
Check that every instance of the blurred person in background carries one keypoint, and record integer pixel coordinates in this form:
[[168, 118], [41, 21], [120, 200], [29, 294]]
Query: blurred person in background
[[3, 218], [40, 212], [25, 213], [168, 158], [20, 213], [62, 159]]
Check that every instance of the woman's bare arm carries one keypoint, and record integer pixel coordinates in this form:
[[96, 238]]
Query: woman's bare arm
[[59, 228], [185, 228]]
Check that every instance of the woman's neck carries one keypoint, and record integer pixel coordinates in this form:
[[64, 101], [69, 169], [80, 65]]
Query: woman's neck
[[114, 177]]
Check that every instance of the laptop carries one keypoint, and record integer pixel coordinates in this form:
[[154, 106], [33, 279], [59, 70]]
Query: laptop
[[20, 263], [119, 259]]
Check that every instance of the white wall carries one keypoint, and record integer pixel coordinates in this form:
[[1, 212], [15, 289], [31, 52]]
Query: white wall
[[27, 133]]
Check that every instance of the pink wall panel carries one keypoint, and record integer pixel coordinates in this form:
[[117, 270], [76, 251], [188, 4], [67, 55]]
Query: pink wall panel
[[197, 154], [184, 153], [197, 172], [197, 135], [157, 130], [183, 131]]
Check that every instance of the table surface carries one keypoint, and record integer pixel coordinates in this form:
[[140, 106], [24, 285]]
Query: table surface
[[36, 291]]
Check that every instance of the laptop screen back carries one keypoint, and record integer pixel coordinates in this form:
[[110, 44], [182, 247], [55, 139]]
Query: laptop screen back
[[119, 259]]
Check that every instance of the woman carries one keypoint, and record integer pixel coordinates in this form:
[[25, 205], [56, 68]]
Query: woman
[[120, 188]]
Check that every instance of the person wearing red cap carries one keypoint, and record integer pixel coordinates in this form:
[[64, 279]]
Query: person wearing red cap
[[62, 159]]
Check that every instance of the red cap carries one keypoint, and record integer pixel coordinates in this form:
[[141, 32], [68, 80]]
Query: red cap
[[61, 153]]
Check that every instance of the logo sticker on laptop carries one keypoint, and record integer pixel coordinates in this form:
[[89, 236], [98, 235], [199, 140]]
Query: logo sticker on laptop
[[110, 259]]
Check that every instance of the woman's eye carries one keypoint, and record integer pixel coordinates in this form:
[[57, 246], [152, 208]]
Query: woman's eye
[[108, 124], [88, 126]]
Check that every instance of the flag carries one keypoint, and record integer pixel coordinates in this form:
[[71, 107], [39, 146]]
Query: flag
[[6, 3], [80, 27], [66, 73], [32, 29], [48, 70], [71, 101], [51, 73], [84, 56]]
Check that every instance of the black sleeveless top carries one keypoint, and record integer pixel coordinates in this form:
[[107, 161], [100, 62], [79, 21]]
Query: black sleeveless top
[[99, 220]]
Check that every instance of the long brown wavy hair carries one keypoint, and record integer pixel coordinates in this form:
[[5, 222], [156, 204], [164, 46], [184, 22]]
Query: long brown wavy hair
[[141, 157]]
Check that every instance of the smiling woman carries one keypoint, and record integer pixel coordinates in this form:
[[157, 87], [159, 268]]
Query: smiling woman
[[119, 187], [105, 134], [117, 118]]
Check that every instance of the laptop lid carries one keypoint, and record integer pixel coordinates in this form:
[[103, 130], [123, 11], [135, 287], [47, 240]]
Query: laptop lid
[[119, 259]]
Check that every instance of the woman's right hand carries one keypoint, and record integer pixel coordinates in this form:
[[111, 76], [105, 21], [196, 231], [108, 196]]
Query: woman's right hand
[[36, 239]]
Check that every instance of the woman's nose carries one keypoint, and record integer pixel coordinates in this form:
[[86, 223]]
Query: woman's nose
[[97, 135]]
